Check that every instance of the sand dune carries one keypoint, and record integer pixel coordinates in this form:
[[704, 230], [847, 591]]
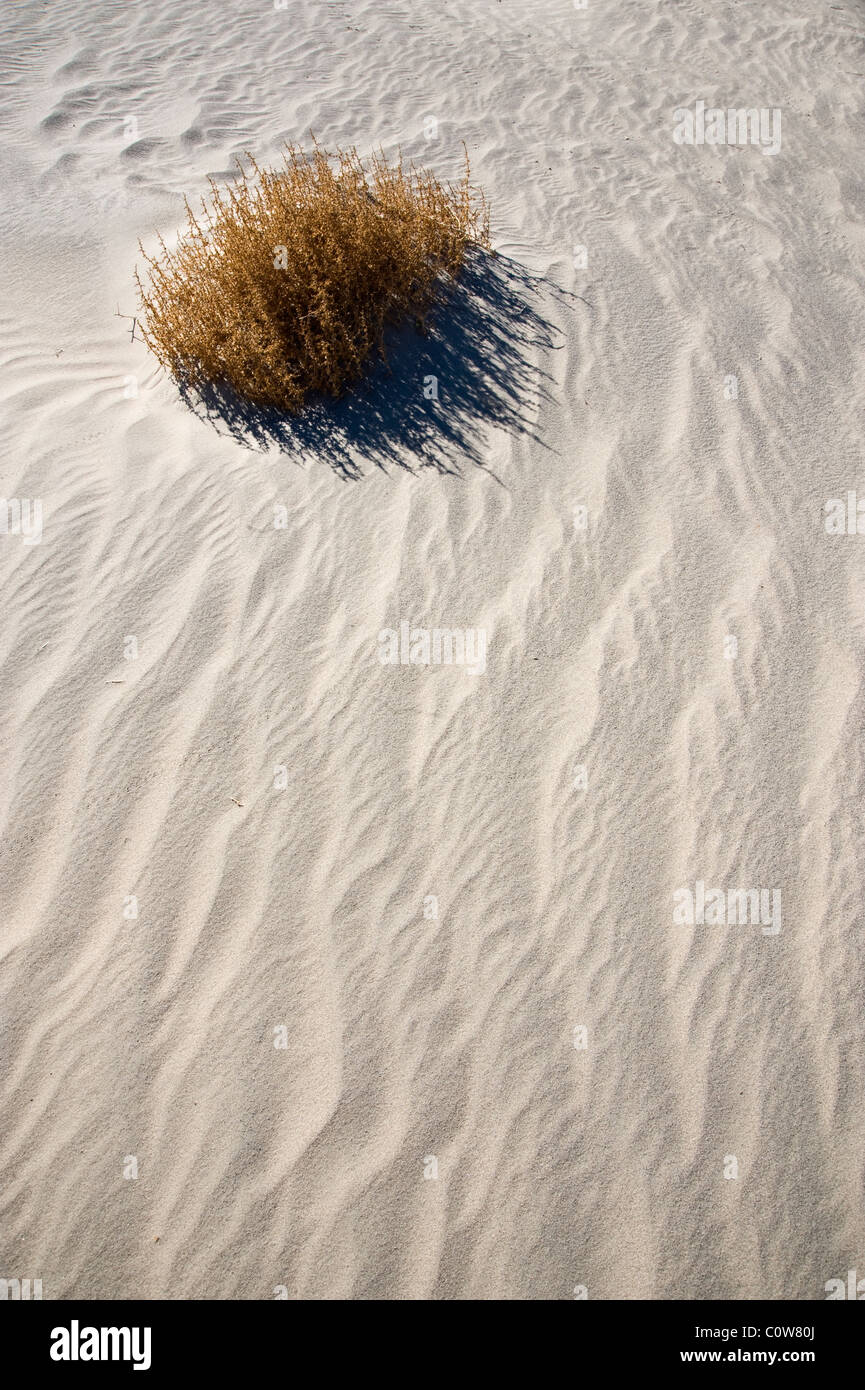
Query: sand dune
[[282, 924]]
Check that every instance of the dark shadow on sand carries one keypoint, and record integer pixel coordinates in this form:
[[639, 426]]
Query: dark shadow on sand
[[484, 344]]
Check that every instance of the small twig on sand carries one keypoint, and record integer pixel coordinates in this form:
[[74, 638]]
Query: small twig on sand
[[134, 317]]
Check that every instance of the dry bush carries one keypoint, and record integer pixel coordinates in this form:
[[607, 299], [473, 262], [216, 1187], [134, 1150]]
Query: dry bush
[[287, 283]]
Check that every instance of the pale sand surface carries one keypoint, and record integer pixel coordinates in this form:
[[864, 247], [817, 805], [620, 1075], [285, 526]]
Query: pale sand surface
[[410, 1037]]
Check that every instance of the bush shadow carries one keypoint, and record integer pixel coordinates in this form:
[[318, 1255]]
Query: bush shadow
[[431, 404]]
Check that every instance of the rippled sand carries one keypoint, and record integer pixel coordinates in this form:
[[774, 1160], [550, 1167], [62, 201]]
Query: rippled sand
[[374, 902]]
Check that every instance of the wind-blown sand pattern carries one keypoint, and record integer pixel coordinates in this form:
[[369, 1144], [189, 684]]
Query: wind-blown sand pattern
[[283, 807]]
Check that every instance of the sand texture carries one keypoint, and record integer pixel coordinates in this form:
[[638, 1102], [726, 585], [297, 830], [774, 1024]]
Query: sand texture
[[369, 971]]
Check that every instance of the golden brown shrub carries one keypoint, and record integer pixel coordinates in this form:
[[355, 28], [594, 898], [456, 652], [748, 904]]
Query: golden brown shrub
[[286, 284]]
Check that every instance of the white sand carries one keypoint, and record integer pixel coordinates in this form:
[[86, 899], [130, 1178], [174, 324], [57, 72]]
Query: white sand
[[407, 1036]]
